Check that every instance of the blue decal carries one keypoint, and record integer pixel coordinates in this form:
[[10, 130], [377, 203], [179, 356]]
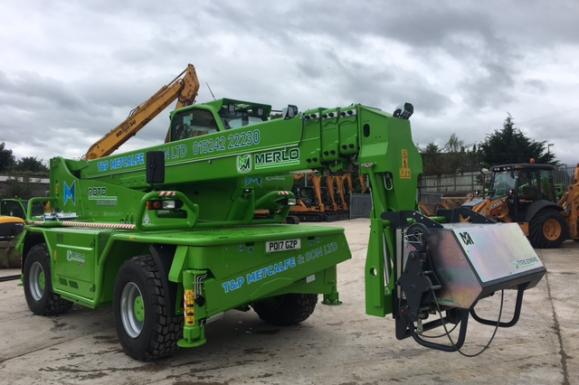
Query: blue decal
[[125, 161], [258, 275], [278, 267], [103, 165], [233, 284], [271, 270], [128, 161], [70, 192], [252, 181]]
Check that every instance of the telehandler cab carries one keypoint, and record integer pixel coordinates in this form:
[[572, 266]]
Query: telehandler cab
[[169, 234]]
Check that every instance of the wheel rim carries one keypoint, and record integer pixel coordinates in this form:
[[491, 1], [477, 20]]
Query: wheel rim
[[552, 229], [132, 310], [37, 281]]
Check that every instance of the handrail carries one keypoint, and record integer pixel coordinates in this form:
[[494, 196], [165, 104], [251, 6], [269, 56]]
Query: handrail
[[31, 202]]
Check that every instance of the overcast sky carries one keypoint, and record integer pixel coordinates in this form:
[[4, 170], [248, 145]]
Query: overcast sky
[[70, 71]]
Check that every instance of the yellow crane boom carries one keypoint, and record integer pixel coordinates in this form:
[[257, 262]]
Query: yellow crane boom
[[184, 88]]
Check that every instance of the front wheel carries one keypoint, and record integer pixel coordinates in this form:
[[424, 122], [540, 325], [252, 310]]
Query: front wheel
[[145, 327], [38, 286], [287, 309], [547, 229]]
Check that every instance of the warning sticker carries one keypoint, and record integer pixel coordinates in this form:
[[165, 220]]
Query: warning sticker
[[405, 172]]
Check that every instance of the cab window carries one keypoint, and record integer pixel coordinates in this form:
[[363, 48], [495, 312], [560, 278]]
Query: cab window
[[11, 208], [547, 186], [527, 187], [503, 183], [235, 116], [536, 184], [192, 123]]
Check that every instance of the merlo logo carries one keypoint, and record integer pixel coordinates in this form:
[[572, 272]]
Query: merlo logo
[[244, 163], [70, 193]]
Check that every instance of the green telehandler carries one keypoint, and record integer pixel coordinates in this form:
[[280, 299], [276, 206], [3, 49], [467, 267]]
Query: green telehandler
[[169, 234]]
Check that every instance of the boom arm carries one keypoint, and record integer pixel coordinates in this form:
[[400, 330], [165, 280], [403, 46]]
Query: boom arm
[[183, 88]]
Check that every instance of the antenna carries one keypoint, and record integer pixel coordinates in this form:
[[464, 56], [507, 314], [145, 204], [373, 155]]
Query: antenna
[[212, 94]]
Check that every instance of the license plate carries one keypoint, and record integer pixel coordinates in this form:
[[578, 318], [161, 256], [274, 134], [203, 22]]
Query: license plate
[[286, 245]]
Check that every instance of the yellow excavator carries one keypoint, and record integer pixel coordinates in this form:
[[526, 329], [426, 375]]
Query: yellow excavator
[[184, 88], [11, 224], [525, 193], [569, 203]]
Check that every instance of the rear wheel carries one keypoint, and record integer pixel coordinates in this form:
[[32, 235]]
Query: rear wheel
[[287, 309], [145, 327], [37, 285], [547, 229]]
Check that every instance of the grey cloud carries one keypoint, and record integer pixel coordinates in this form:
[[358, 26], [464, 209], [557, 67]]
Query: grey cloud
[[492, 88], [535, 85], [85, 64], [34, 86]]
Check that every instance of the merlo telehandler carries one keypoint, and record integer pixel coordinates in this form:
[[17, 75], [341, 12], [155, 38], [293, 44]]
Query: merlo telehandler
[[168, 234]]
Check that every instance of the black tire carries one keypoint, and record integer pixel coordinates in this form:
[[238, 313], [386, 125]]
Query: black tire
[[160, 330], [287, 309], [44, 302], [537, 234], [292, 220]]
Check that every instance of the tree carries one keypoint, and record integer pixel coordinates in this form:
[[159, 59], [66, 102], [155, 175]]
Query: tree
[[30, 163], [454, 144], [431, 148], [7, 160], [16, 189], [455, 157], [510, 145], [432, 160]]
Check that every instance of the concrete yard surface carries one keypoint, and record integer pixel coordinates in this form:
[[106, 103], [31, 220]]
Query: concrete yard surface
[[336, 345]]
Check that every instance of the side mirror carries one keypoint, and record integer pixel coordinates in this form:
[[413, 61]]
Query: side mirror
[[155, 167]]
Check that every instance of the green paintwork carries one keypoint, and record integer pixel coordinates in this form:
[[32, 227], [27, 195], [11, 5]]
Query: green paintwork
[[42, 280], [139, 309], [223, 179]]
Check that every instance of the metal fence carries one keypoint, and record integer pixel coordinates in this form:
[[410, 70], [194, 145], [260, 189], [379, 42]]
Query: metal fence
[[23, 186], [459, 183], [469, 182], [564, 175]]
